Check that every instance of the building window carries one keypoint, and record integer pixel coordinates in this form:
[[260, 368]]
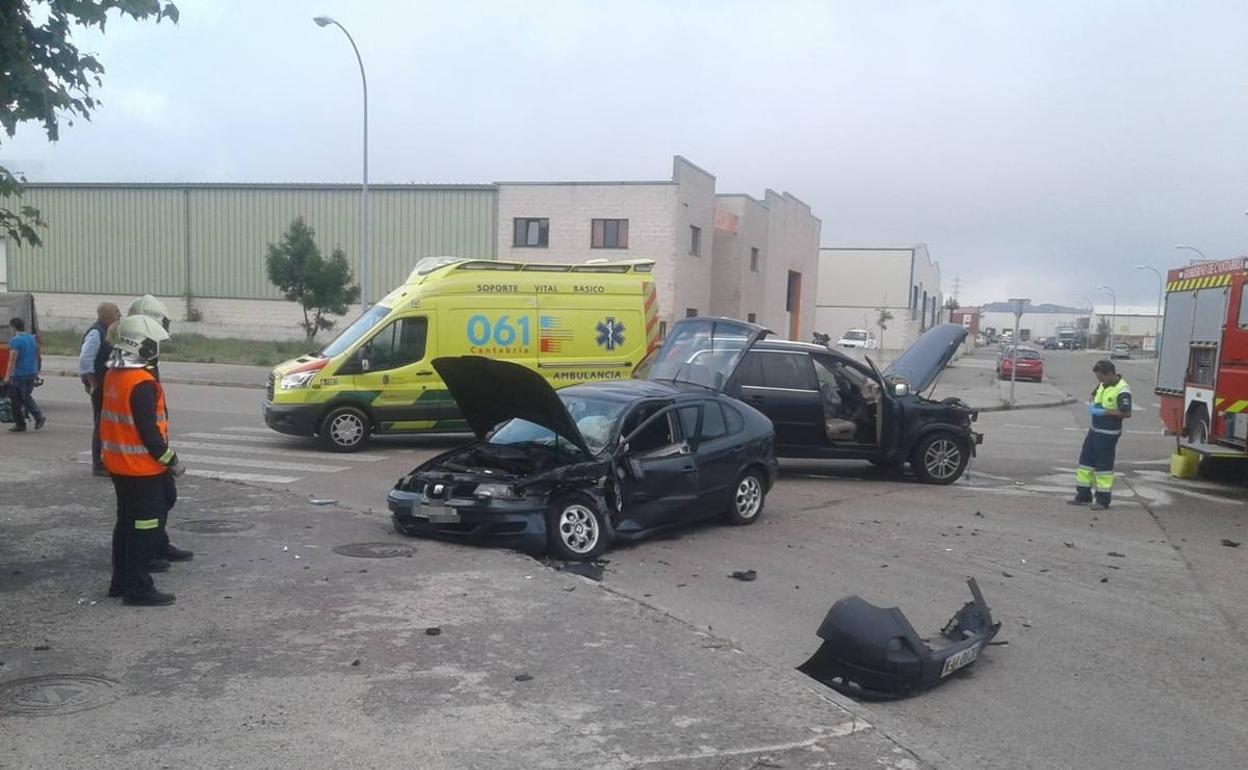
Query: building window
[[530, 232], [754, 259], [691, 312], [750, 317], [609, 234], [695, 241]]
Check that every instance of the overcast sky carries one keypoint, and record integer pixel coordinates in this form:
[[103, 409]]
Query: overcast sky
[[1040, 149]]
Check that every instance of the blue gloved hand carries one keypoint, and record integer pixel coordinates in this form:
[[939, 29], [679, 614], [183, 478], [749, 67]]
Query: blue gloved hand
[[1096, 411]]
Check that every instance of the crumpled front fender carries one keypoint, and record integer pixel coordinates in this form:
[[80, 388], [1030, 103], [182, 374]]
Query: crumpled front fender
[[873, 653]]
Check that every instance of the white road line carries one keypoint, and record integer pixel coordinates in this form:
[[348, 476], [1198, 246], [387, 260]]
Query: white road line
[[269, 464], [271, 439], [295, 454], [231, 476]]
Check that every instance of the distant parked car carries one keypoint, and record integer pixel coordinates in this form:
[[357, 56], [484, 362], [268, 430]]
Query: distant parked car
[[1121, 350], [1030, 366], [858, 338], [1051, 343]]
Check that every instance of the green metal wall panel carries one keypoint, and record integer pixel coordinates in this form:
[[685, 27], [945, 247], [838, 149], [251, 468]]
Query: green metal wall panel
[[125, 239], [103, 240]]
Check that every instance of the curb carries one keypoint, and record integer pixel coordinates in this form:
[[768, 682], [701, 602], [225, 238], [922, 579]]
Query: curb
[[170, 380], [1042, 405]]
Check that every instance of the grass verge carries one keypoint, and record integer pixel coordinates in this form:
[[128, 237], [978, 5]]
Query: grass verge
[[192, 347]]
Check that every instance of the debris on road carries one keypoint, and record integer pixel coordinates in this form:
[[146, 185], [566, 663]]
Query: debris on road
[[1006, 574], [873, 653], [1068, 543], [1230, 543], [1117, 555], [433, 631], [745, 576], [321, 501], [524, 678], [594, 570], [1104, 580], [355, 662]]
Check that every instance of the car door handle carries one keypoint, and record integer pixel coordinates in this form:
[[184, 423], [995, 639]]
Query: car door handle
[[689, 469]]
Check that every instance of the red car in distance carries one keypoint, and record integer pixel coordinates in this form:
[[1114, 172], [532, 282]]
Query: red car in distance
[[1030, 365]]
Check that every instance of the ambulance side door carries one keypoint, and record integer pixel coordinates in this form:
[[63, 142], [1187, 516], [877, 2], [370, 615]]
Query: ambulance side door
[[394, 365]]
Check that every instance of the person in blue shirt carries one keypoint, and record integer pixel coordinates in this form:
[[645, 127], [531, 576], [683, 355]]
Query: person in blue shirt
[[23, 366]]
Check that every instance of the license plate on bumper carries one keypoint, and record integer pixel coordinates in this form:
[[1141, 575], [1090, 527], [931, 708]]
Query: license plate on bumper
[[960, 660], [437, 514]]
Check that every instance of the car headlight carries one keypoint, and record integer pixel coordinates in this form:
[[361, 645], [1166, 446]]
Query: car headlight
[[297, 380], [496, 492]]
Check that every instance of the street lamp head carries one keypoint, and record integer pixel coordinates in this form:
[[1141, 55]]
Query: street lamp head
[[323, 21]]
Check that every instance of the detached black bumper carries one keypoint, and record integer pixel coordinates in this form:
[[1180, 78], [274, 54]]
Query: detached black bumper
[[292, 419], [518, 524]]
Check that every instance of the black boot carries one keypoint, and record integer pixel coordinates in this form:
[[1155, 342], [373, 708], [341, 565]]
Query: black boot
[[158, 565], [152, 598], [174, 553]]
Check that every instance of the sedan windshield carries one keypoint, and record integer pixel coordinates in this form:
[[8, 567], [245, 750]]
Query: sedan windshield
[[355, 332], [594, 417]]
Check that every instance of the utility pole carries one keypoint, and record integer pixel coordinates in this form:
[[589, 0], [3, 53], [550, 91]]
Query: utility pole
[[957, 287], [1018, 305]]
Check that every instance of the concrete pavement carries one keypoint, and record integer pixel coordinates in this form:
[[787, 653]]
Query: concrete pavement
[[283, 651]]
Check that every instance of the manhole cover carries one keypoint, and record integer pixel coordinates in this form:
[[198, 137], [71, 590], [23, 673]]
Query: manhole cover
[[374, 550], [56, 694], [213, 526]]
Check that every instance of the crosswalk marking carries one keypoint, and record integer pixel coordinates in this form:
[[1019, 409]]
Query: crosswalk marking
[[235, 437], [258, 478], [178, 444], [252, 463]]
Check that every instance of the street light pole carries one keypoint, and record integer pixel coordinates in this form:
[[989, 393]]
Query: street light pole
[[1019, 304], [1113, 319], [1161, 287], [1182, 246], [324, 21]]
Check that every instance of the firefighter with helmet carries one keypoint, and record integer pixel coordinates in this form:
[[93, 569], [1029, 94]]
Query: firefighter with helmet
[[134, 437], [149, 306]]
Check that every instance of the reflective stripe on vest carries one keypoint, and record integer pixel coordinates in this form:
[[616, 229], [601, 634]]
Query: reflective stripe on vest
[[1106, 397], [122, 449]]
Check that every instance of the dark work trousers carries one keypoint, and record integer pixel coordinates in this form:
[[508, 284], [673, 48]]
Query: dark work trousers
[[1096, 467], [136, 536], [171, 498], [97, 403], [23, 402]]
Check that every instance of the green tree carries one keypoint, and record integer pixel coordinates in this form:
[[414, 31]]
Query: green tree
[[883, 316], [45, 78], [952, 305], [321, 287]]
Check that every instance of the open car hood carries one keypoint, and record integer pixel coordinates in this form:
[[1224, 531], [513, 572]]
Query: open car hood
[[922, 362], [490, 392], [704, 351]]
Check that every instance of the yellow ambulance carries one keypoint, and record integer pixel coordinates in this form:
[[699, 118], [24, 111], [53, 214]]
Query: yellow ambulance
[[571, 323]]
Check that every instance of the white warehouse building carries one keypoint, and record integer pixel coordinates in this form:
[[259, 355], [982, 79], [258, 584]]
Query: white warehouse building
[[855, 283]]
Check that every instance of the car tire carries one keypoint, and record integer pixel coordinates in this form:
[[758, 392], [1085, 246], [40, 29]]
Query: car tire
[[345, 429], [748, 496], [576, 528], [940, 458]]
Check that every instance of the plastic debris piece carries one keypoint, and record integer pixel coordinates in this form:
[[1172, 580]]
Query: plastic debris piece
[[745, 576], [433, 631], [1006, 574], [1069, 543], [321, 501], [524, 677], [1104, 580], [355, 662], [1117, 555], [1230, 543]]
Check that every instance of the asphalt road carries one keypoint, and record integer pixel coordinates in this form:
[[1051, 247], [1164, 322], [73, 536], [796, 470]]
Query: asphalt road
[[1131, 660]]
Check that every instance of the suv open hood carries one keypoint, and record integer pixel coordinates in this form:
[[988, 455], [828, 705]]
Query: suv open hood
[[704, 351], [922, 362], [490, 392]]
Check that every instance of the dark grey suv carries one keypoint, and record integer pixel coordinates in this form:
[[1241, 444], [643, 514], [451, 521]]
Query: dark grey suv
[[828, 405]]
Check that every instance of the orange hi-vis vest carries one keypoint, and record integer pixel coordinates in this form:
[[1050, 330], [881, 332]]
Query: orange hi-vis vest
[[123, 451]]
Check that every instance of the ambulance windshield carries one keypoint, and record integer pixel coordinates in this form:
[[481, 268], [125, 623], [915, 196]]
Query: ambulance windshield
[[355, 332]]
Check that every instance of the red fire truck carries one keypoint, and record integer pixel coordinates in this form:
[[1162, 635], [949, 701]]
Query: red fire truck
[[1202, 370]]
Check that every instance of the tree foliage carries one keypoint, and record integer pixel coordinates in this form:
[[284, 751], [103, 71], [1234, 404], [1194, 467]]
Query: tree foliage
[[45, 78], [882, 317], [321, 287]]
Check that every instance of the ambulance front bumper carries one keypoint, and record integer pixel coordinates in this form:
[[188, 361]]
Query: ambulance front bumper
[[292, 419]]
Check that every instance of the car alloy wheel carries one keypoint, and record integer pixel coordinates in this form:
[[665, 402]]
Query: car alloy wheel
[[943, 459], [578, 529], [749, 496]]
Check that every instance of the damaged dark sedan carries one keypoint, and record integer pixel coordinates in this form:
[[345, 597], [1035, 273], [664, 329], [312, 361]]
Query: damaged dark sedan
[[569, 472]]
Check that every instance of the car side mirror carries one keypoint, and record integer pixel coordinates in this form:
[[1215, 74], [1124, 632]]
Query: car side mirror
[[901, 389]]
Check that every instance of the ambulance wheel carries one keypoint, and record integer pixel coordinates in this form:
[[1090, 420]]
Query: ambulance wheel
[[345, 429]]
